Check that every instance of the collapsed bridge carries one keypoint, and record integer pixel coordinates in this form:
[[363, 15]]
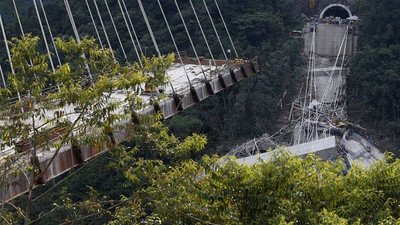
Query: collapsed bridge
[[188, 81], [318, 120]]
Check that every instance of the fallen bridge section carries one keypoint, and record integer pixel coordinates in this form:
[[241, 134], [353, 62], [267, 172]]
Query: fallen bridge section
[[325, 148], [354, 149], [359, 151]]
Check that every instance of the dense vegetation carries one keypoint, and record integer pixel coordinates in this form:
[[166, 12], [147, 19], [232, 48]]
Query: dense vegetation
[[285, 190], [374, 94], [155, 179]]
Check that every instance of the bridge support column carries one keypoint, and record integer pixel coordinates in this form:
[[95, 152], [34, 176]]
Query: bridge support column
[[243, 70], [253, 67], [194, 94], [77, 153], [221, 81], [209, 88], [233, 75], [178, 102], [157, 109]]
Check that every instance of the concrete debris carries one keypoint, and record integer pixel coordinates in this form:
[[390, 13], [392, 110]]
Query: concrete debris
[[253, 147], [319, 113], [325, 148]]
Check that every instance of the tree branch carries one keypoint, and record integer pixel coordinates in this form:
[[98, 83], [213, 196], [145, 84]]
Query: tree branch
[[61, 145]]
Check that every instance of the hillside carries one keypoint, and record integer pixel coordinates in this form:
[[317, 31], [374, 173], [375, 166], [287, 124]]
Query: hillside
[[160, 178], [373, 88]]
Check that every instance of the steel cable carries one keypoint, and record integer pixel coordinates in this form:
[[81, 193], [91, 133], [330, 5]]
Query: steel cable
[[226, 28], [94, 23], [116, 31]]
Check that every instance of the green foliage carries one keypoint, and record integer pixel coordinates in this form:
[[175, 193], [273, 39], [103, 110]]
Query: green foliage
[[157, 160], [162, 184], [184, 125], [80, 111], [140, 173], [156, 68], [284, 190], [373, 87]]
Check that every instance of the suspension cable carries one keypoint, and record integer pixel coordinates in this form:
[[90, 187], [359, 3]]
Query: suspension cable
[[71, 18], [133, 29], [2, 76], [94, 24], [149, 27], [45, 39], [226, 28], [19, 21], [7, 48], [8, 52], [326, 92], [104, 29], [50, 32], [78, 39], [187, 32], [44, 36], [153, 38], [22, 30], [190, 38], [215, 30], [173, 40], [129, 31], [315, 91], [334, 85], [311, 86], [116, 31], [307, 89], [202, 32], [340, 79]]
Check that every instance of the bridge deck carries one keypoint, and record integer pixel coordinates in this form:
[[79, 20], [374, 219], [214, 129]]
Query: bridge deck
[[68, 157]]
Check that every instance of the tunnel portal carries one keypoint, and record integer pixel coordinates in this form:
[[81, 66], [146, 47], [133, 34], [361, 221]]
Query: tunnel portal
[[336, 10]]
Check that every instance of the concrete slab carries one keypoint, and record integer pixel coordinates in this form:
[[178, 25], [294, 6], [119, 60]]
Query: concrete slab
[[325, 148], [360, 151]]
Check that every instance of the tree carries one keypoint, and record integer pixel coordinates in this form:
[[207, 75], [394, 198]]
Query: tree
[[72, 106], [373, 87], [283, 190]]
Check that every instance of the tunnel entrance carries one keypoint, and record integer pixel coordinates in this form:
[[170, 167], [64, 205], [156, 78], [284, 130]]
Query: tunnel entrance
[[336, 10]]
